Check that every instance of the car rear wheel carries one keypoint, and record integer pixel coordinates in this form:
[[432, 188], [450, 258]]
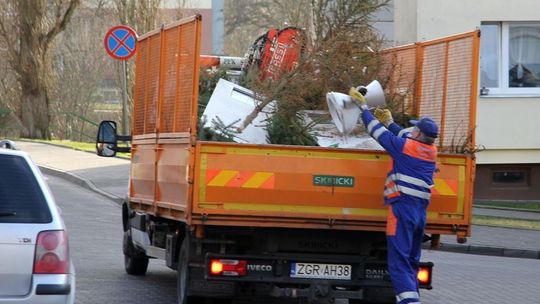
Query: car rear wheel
[[135, 263]]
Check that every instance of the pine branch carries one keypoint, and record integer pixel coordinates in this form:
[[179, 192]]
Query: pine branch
[[259, 107]]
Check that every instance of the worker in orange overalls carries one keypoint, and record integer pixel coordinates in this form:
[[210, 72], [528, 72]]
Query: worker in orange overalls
[[407, 192]]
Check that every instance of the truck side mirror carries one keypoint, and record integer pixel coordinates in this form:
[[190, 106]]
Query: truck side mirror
[[107, 139]]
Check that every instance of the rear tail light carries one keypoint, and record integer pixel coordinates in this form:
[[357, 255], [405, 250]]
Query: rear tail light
[[52, 253], [221, 267], [424, 275]]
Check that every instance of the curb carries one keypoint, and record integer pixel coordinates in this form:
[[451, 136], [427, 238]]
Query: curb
[[80, 181], [487, 250]]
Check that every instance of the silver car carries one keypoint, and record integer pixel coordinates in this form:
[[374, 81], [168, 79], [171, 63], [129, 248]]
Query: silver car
[[35, 266]]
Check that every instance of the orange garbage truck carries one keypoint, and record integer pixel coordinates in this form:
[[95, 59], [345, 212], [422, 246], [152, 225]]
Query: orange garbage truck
[[247, 221]]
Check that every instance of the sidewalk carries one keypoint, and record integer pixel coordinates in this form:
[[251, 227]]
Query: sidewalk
[[533, 215], [106, 175], [109, 177]]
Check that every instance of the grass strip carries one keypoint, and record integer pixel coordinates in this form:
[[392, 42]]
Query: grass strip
[[505, 222], [77, 145], [534, 205]]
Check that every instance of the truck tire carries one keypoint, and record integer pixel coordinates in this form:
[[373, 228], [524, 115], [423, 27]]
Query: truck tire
[[135, 263], [183, 271]]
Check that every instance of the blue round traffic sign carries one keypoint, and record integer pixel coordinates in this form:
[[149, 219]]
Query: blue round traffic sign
[[121, 42]]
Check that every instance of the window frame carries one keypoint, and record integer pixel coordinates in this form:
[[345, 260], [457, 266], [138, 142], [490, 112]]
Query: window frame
[[503, 37], [525, 184]]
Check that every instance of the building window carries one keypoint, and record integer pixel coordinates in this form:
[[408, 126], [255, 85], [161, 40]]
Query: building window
[[510, 58], [511, 177]]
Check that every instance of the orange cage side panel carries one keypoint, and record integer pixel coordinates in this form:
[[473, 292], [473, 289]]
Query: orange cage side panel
[[178, 69], [398, 70], [165, 112], [439, 79], [146, 86], [165, 82]]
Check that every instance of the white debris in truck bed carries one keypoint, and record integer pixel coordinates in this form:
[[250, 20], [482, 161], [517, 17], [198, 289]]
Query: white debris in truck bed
[[328, 135]]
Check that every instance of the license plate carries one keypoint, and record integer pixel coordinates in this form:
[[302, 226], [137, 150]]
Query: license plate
[[321, 271]]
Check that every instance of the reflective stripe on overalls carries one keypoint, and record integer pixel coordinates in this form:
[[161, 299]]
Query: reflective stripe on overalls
[[392, 188], [398, 182], [409, 297]]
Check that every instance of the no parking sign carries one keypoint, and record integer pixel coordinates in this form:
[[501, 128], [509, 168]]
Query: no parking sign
[[121, 42]]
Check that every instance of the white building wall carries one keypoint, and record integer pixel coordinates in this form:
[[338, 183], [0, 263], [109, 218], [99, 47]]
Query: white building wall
[[383, 22], [436, 18], [508, 127], [405, 22]]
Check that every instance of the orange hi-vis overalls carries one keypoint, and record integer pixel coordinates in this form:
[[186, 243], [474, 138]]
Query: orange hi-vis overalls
[[407, 192]]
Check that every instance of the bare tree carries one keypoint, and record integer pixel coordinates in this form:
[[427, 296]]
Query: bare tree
[[28, 27], [322, 19], [9, 98], [81, 69], [246, 19], [266, 13], [142, 16], [9, 92], [331, 17]]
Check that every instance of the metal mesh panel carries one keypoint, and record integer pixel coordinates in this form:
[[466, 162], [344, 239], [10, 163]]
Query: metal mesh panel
[[140, 88], [432, 82], [152, 84], [165, 79], [457, 108], [169, 76], [186, 69], [177, 78], [444, 89], [399, 81], [404, 73]]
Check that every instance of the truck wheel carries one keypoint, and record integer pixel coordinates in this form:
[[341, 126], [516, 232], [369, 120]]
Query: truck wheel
[[134, 263], [183, 271]]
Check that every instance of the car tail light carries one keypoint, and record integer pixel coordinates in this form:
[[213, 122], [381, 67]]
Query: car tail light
[[222, 267], [52, 253]]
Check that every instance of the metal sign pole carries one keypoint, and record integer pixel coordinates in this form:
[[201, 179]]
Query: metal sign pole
[[121, 43], [125, 122]]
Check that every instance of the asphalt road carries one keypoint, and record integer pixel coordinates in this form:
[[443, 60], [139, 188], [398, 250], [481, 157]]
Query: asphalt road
[[95, 236]]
